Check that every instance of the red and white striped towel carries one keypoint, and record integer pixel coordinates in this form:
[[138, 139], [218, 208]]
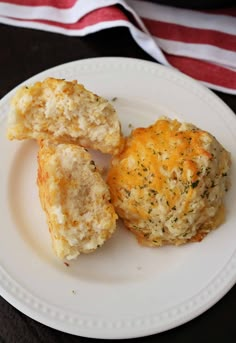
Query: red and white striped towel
[[201, 44]]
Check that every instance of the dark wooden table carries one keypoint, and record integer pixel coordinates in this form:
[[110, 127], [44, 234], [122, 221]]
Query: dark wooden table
[[26, 52]]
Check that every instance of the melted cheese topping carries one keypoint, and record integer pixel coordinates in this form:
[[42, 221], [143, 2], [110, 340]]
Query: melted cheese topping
[[162, 179]]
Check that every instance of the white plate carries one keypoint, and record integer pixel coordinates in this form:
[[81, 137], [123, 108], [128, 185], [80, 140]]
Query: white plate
[[122, 290]]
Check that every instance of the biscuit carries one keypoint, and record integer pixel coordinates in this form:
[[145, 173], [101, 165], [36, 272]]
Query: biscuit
[[168, 183], [75, 198], [64, 111]]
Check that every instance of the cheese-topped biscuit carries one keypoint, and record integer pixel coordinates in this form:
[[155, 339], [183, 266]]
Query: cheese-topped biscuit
[[75, 198], [66, 112], [169, 182]]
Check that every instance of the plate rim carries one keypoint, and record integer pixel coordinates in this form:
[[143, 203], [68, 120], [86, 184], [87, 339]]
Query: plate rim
[[229, 269]]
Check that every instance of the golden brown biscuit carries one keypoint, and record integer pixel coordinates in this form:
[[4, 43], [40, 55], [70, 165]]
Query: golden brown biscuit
[[66, 112], [169, 182], [75, 198]]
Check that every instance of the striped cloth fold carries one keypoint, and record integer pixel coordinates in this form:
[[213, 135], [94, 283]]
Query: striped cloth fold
[[201, 44]]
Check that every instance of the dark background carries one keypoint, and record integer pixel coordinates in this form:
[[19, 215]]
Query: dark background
[[26, 52]]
